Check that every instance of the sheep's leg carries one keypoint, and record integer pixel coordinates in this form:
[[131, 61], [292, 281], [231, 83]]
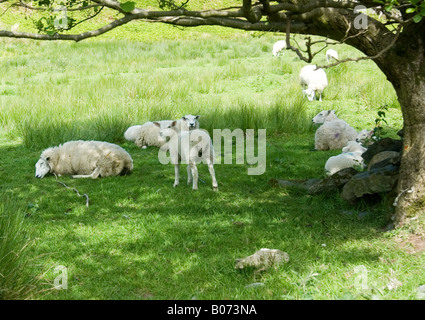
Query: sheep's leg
[[189, 174], [320, 97], [93, 175], [176, 174], [194, 175], [212, 172]]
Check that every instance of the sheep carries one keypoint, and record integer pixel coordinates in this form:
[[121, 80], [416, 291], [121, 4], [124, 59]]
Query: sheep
[[331, 54], [332, 134], [351, 156], [325, 115], [314, 79], [278, 47], [365, 137], [147, 134], [84, 159], [190, 147]]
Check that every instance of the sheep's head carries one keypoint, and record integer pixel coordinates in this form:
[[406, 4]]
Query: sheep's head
[[325, 115], [166, 132], [353, 146], [310, 93], [191, 121], [43, 167], [364, 135]]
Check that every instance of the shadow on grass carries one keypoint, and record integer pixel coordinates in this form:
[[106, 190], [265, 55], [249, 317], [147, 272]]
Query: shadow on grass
[[141, 238]]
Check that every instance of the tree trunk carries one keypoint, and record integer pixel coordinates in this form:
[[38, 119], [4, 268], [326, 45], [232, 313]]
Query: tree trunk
[[405, 69], [411, 184]]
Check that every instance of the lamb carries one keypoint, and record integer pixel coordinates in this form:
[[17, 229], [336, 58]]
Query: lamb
[[351, 156], [190, 147], [147, 134], [278, 47], [333, 134], [315, 80], [84, 159], [331, 54], [365, 137], [263, 259]]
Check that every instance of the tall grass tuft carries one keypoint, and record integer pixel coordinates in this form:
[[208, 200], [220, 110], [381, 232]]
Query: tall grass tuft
[[16, 281]]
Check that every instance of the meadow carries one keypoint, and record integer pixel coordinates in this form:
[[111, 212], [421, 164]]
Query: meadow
[[140, 238]]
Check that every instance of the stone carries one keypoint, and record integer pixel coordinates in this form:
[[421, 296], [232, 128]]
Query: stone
[[262, 259], [386, 144], [374, 181], [316, 186], [384, 158]]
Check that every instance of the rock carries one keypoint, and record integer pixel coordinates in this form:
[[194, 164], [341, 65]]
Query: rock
[[386, 144], [262, 259], [316, 186], [333, 182], [384, 158], [370, 182]]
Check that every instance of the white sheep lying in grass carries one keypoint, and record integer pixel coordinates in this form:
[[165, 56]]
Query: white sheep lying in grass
[[315, 80], [351, 156], [190, 147], [84, 159], [278, 47], [332, 134], [331, 54], [147, 134]]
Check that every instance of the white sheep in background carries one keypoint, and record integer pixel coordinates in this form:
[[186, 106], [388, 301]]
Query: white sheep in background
[[333, 134], [190, 147], [325, 115], [278, 47], [147, 134], [351, 156], [84, 159], [315, 80], [331, 54]]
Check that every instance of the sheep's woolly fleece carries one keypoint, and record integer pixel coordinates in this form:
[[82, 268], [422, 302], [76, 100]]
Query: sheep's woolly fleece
[[84, 159]]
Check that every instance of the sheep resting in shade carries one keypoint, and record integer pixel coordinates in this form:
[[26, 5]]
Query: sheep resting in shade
[[84, 159]]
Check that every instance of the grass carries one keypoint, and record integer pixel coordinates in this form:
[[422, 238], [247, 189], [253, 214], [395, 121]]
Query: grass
[[142, 239]]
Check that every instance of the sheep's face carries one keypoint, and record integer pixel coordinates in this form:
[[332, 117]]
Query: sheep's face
[[166, 132], [364, 135], [42, 167], [353, 146], [323, 115], [309, 93], [191, 121]]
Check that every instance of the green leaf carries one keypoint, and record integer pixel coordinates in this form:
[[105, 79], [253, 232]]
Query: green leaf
[[388, 7], [417, 18], [128, 6], [410, 10]]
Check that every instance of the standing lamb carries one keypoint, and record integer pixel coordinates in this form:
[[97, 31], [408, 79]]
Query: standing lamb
[[315, 80], [351, 156], [190, 147], [278, 47], [333, 134], [331, 54], [84, 159], [147, 134]]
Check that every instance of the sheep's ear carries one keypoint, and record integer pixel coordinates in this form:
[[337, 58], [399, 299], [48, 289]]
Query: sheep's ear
[[157, 124], [184, 118], [173, 124], [197, 117]]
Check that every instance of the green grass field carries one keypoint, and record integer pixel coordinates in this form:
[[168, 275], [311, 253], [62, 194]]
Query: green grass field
[[140, 238]]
